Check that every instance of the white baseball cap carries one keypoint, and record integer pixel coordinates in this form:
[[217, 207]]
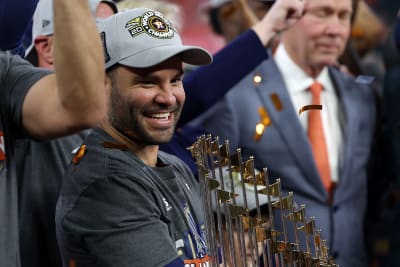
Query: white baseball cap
[[143, 37], [43, 23]]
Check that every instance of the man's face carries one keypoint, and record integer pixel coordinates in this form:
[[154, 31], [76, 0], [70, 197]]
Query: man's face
[[146, 102], [320, 37]]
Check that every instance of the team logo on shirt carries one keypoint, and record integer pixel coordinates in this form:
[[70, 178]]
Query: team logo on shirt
[[152, 23]]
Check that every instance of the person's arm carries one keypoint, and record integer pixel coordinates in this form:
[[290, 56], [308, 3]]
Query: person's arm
[[74, 98], [206, 85]]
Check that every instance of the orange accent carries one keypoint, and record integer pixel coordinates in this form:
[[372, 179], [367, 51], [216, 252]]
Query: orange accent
[[276, 101], [72, 263], [317, 138], [264, 122], [79, 155], [198, 262]]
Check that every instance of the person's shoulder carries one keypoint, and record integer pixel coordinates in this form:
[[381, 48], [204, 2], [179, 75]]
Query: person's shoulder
[[106, 157], [15, 68], [359, 80]]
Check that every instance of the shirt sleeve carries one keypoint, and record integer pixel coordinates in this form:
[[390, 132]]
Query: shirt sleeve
[[17, 77], [125, 219]]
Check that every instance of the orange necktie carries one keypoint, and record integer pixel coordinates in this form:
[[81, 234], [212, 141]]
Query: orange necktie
[[317, 138]]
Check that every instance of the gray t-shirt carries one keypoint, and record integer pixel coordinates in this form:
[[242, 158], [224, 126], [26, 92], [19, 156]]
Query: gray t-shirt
[[114, 210], [41, 167], [16, 77]]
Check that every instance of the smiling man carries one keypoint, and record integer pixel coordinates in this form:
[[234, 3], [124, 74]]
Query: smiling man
[[124, 202]]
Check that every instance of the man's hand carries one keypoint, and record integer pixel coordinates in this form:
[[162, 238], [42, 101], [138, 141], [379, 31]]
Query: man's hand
[[282, 15]]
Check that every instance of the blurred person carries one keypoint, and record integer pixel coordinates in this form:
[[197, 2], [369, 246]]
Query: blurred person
[[368, 30], [75, 99], [13, 39], [245, 52], [139, 198], [41, 164], [19, 14], [389, 205], [326, 168], [368, 35]]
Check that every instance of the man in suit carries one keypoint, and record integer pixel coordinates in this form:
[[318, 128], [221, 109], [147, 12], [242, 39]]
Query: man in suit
[[331, 179], [244, 52]]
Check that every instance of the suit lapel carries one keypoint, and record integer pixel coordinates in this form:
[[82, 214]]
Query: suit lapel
[[349, 112], [287, 123]]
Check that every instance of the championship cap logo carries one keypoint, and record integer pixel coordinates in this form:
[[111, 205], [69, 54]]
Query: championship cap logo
[[153, 23]]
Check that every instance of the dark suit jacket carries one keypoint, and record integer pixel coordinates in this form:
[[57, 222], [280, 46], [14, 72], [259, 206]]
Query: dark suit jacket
[[285, 150]]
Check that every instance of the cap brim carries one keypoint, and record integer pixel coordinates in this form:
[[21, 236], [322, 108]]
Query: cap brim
[[191, 55]]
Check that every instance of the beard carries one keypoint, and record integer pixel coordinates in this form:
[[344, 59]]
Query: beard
[[128, 118]]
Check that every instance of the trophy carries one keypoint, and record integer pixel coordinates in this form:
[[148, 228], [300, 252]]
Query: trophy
[[248, 217]]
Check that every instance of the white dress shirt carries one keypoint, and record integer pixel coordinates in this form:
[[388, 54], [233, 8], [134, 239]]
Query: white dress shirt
[[297, 82]]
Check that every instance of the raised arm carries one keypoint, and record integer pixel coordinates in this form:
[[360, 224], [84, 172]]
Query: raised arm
[[75, 97]]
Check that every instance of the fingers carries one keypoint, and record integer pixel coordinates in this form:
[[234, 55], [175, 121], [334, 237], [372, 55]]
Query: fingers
[[295, 8], [282, 15], [290, 12]]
